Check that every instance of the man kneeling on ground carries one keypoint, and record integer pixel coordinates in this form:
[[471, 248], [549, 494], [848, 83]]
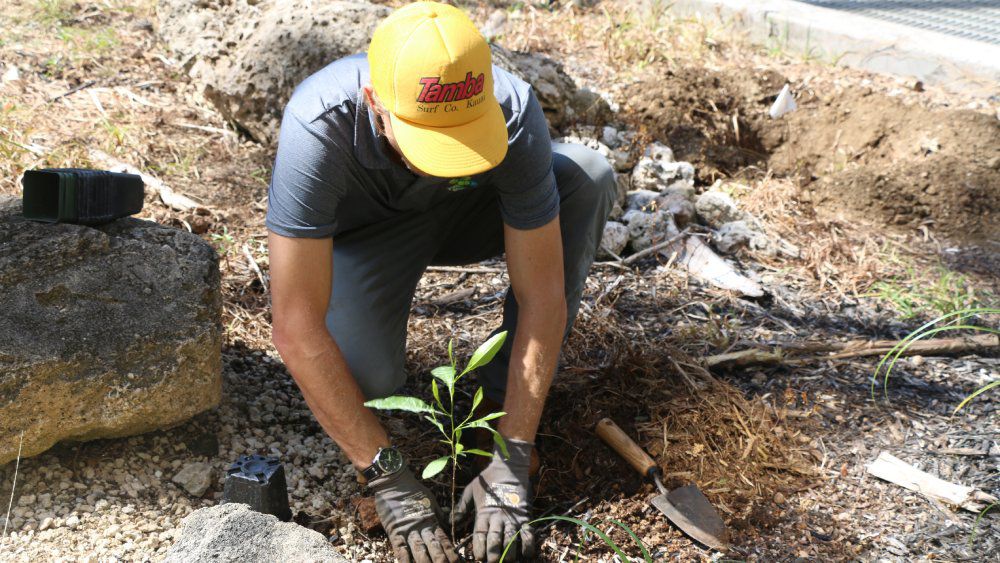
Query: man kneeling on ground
[[424, 153]]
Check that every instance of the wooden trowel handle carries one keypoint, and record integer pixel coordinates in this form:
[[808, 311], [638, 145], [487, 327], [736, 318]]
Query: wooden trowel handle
[[621, 443]]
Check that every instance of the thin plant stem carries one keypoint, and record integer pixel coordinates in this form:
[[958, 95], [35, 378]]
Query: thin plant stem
[[454, 453], [451, 515]]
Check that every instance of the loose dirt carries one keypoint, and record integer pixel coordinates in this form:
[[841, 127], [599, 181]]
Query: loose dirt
[[855, 153]]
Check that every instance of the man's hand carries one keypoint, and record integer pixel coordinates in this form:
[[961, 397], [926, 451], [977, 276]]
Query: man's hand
[[501, 499], [410, 518]]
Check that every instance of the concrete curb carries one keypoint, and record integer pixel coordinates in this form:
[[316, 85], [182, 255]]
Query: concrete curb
[[858, 41]]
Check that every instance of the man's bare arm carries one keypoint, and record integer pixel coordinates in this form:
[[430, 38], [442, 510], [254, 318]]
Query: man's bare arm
[[301, 274], [535, 266]]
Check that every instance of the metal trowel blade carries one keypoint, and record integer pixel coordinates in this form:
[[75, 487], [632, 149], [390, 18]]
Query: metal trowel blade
[[690, 511]]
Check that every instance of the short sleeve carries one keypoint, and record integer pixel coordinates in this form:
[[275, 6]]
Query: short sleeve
[[524, 181], [304, 192]]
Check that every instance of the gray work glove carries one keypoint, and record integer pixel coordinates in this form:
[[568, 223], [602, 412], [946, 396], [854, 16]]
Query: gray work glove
[[501, 498], [409, 515]]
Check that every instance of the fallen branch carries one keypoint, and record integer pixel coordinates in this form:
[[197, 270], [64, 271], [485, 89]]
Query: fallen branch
[[784, 354], [252, 262], [73, 90], [653, 249], [898, 472], [751, 357], [929, 347], [453, 297]]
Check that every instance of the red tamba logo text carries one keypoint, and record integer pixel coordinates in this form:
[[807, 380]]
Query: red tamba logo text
[[433, 91]]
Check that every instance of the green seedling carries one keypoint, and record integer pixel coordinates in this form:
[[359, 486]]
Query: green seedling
[[442, 414]]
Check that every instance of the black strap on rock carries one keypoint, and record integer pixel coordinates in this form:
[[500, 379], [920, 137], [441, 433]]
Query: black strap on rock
[[79, 195]]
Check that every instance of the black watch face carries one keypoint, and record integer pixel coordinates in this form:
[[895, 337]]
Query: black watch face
[[389, 460]]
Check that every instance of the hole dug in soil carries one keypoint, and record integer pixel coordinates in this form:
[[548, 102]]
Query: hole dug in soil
[[854, 153]]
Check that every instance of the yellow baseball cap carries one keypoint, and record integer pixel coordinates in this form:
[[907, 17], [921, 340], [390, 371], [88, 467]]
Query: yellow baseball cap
[[432, 70]]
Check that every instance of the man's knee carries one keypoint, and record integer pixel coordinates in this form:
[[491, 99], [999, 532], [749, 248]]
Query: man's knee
[[378, 379], [378, 372], [594, 176]]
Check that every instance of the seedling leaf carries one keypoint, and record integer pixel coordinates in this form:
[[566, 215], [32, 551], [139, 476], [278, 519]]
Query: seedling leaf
[[446, 374], [491, 416], [434, 391], [438, 425], [478, 398], [478, 452], [396, 402], [485, 352], [434, 467], [501, 444]]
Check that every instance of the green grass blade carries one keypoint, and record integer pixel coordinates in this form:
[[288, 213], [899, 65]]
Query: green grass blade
[[977, 393], [975, 525], [645, 552], [586, 526]]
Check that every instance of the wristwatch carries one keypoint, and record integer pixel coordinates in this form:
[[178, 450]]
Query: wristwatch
[[387, 461]]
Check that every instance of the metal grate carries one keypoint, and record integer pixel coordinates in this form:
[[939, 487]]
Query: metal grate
[[978, 20]]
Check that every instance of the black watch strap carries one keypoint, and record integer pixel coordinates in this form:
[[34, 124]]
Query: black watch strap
[[371, 472]]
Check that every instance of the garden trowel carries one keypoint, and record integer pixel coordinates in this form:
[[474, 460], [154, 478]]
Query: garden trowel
[[686, 507]]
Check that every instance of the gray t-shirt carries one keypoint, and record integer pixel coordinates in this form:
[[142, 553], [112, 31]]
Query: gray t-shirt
[[332, 173]]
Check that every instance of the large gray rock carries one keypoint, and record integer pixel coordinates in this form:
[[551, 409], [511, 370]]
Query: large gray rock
[[562, 101], [234, 532], [104, 332], [248, 56], [249, 66]]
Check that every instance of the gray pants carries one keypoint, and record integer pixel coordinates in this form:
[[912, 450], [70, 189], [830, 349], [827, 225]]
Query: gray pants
[[376, 268]]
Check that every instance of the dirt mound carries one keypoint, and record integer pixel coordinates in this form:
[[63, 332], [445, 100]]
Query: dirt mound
[[911, 166], [869, 156]]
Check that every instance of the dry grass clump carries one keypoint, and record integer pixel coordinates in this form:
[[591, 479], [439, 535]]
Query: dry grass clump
[[626, 36], [741, 449]]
